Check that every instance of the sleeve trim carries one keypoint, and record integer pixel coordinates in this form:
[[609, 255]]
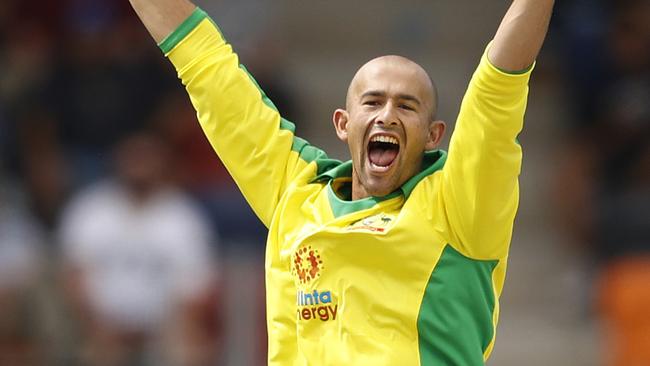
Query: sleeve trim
[[517, 72], [182, 31], [525, 71]]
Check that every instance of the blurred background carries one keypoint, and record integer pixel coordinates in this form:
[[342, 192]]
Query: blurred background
[[124, 242]]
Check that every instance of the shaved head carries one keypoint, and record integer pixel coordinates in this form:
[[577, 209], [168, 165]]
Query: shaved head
[[378, 65], [389, 121]]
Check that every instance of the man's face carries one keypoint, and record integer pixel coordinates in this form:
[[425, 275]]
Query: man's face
[[388, 124]]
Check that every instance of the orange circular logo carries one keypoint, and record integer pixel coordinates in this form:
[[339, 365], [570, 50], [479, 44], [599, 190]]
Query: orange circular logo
[[307, 264]]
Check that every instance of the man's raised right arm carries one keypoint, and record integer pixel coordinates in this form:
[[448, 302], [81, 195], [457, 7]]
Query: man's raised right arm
[[255, 143]]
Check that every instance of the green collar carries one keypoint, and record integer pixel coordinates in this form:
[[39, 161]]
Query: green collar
[[432, 162]]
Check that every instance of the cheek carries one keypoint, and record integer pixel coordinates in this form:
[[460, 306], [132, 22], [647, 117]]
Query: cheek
[[417, 134], [417, 139], [355, 136]]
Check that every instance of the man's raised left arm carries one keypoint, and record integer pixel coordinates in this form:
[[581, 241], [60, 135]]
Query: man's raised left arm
[[480, 190], [521, 34]]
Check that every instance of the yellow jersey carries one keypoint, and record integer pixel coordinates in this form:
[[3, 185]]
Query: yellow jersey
[[412, 278]]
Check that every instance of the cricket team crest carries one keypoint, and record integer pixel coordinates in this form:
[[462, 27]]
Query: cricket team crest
[[376, 223], [306, 265]]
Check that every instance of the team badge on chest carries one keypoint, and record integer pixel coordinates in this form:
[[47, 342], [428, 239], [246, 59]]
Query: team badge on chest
[[376, 223]]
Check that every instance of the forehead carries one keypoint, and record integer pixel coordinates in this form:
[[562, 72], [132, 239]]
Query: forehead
[[393, 77]]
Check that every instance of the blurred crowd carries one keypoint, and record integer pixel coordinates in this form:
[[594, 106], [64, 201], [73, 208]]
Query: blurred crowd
[[603, 180], [113, 207]]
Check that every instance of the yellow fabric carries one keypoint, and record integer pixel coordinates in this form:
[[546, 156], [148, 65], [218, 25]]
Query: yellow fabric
[[347, 290]]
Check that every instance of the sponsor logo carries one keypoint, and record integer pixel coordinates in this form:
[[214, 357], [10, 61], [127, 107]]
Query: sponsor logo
[[316, 305], [307, 264], [376, 223]]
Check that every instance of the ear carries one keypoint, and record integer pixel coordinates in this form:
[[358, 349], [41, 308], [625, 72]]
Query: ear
[[340, 119], [436, 133]]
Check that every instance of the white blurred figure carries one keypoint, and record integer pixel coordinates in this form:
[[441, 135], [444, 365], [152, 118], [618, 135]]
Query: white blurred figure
[[140, 264], [21, 252]]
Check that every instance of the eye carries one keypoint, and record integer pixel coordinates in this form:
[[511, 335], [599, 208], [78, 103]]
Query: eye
[[372, 103], [406, 107]]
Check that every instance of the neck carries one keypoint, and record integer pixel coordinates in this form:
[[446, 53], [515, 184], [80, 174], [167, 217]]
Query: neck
[[358, 190]]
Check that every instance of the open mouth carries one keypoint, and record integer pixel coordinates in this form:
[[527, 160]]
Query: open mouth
[[382, 151]]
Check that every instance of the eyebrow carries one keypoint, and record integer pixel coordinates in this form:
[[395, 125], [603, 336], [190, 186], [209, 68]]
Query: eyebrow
[[377, 93]]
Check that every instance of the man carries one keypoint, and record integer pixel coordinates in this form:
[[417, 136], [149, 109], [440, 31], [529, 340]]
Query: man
[[138, 262], [399, 256]]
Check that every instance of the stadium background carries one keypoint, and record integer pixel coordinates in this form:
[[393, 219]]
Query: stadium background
[[78, 77]]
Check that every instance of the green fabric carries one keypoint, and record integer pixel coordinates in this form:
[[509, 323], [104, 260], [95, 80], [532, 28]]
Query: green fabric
[[455, 320], [515, 72], [310, 153], [342, 170], [182, 31], [342, 207], [286, 125], [432, 162]]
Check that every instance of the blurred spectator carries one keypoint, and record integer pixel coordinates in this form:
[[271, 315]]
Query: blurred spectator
[[604, 185], [139, 265], [20, 267], [78, 76]]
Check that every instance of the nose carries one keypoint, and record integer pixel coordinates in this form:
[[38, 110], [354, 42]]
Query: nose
[[387, 115]]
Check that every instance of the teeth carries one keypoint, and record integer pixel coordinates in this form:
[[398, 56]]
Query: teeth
[[386, 139]]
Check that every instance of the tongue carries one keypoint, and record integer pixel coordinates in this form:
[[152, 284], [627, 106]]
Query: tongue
[[382, 157]]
